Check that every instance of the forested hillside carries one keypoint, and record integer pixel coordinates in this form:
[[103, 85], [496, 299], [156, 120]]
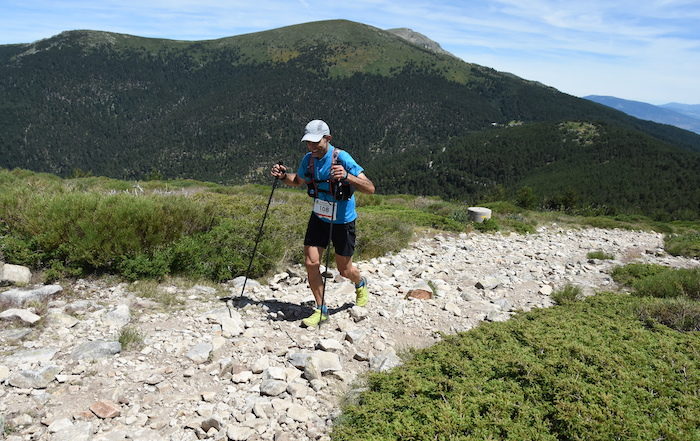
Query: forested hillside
[[224, 110]]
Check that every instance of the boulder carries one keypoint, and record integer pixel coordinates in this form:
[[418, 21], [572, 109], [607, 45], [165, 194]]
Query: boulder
[[14, 274], [18, 297]]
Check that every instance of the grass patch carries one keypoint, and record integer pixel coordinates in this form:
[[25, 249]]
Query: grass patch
[[629, 274], [687, 244], [130, 338], [590, 370], [150, 289], [568, 294], [681, 314], [669, 284], [600, 255]]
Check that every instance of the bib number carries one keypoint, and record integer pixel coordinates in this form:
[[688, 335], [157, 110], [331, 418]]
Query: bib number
[[324, 209]]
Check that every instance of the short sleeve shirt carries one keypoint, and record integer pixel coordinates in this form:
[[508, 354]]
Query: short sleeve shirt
[[345, 210]]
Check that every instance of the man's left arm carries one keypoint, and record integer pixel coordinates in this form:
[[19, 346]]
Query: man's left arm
[[361, 183]]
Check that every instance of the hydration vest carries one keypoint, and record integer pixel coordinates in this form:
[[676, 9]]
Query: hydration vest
[[340, 190]]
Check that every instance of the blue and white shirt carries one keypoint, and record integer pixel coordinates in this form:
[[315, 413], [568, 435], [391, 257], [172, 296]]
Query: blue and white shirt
[[345, 210]]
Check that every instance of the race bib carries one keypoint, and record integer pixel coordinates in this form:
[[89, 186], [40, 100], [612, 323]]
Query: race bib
[[324, 209]]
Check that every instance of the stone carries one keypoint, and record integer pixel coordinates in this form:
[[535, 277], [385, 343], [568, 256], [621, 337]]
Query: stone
[[79, 431], [119, 316], [273, 387], [32, 356], [453, 308], [200, 352], [60, 424], [231, 327], [326, 361], [358, 313], [298, 359], [211, 423], [260, 365], [275, 373], [15, 274], [34, 379], [105, 409], [20, 296], [299, 413], [312, 371], [242, 377], [4, 374], [488, 283], [239, 433], [546, 290], [355, 336], [97, 349], [59, 319], [22, 315], [420, 294], [330, 345], [385, 361]]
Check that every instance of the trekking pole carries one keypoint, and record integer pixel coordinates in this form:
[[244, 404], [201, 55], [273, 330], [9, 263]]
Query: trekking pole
[[257, 240], [328, 258]]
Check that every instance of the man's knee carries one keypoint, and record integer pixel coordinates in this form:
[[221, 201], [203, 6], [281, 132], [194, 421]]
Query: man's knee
[[312, 262]]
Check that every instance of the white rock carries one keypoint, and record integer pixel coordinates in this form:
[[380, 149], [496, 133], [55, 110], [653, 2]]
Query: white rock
[[299, 413], [16, 274], [23, 315], [200, 352], [239, 433]]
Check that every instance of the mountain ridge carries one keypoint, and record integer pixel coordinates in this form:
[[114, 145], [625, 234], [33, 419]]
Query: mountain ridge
[[660, 114], [221, 110]]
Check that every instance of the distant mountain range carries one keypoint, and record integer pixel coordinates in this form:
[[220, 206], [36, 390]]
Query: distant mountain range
[[685, 116], [420, 121]]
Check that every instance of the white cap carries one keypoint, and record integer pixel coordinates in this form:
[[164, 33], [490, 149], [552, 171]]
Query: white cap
[[315, 130]]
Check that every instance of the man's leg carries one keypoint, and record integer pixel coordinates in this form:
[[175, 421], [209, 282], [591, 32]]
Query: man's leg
[[347, 269], [313, 270]]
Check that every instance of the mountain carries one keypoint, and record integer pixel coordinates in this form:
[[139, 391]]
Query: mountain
[[224, 110], [419, 39], [678, 115], [692, 110]]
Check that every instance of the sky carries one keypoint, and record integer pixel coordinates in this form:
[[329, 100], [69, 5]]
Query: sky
[[643, 50]]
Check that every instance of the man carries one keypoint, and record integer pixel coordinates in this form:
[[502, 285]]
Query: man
[[330, 175]]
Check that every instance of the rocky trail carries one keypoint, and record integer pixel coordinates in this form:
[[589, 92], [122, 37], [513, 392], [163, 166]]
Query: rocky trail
[[204, 371]]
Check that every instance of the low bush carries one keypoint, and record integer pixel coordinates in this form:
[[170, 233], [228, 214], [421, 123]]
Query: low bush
[[628, 274], [590, 370], [672, 283], [487, 226], [600, 255], [568, 294], [681, 314], [687, 244]]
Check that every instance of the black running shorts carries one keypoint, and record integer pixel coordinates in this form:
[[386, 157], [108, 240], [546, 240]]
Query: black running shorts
[[343, 235]]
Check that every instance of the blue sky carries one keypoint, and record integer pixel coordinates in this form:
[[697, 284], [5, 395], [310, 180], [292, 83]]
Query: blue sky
[[639, 50]]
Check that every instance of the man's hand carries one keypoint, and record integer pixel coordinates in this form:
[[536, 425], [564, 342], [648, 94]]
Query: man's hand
[[279, 171], [338, 173]]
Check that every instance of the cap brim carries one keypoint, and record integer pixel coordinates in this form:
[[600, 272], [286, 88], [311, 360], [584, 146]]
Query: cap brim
[[311, 137]]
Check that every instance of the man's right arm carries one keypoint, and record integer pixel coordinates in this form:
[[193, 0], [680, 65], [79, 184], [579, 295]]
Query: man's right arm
[[292, 179]]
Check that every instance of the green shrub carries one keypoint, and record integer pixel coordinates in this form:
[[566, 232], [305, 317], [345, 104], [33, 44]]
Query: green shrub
[[687, 244], [143, 266], [487, 226], [600, 255], [671, 283], [380, 234], [130, 338], [628, 274], [681, 314], [588, 371], [568, 294]]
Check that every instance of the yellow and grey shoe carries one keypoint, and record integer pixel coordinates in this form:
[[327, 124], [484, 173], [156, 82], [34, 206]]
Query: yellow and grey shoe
[[315, 318], [361, 293]]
